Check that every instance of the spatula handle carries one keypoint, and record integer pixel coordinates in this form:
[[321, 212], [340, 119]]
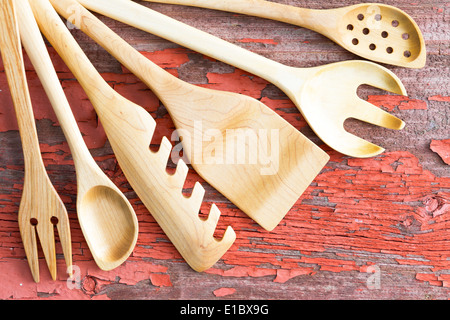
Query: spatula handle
[[11, 51], [154, 22]]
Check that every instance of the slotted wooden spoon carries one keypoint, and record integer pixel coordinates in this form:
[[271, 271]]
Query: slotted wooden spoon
[[107, 219], [265, 190], [41, 207], [326, 95], [373, 31], [129, 129]]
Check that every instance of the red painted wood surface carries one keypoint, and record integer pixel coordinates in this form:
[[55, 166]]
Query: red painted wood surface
[[375, 228]]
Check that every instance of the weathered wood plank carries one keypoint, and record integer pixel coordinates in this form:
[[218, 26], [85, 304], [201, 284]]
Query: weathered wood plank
[[365, 229]]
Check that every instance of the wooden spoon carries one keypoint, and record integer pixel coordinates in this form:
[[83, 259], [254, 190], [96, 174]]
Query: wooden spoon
[[107, 219], [265, 190], [129, 128], [373, 31], [326, 95]]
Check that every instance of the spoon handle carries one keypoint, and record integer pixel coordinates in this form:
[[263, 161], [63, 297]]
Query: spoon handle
[[302, 17], [80, 65], [143, 18], [130, 128], [38, 54], [15, 71]]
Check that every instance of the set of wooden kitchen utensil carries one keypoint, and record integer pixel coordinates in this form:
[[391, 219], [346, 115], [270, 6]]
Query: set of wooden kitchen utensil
[[325, 95]]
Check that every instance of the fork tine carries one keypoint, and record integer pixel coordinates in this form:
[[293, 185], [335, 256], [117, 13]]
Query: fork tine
[[359, 147], [28, 235], [380, 77], [46, 236], [370, 113], [63, 228]]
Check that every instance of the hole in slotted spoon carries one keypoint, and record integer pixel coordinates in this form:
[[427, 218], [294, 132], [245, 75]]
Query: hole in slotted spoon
[[350, 27], [355, 41], [384, 34], [389, 50], [54, 220], [33, 221], [372, 46], [360, 17], [407, 53], [366, 31], [395, 23]]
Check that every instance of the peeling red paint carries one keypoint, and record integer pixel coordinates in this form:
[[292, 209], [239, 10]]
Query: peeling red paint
[[439, 98], [265, 41], [357, 213], [168, 58], [222, 292], [243, 271], [435, 206], [390, 102], [285, 275], [238, 81], [160, 280], [442, 148], [413, 104]]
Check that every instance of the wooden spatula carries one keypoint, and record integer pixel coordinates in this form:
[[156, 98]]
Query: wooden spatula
[[284, 161]]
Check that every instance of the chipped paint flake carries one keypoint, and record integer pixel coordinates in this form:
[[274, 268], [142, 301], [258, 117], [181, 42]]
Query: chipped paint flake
[[222, 292], [442, 148], [264, 41]]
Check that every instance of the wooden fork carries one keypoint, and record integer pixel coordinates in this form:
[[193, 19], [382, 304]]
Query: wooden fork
[[40, 207]]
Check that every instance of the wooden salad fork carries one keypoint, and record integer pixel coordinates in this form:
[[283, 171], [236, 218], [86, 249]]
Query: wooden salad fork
[[325, 95], [129, 129], [264, 190], [40, 208]]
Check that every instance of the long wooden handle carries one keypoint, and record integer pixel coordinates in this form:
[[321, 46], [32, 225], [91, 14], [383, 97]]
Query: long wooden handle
[[302, 17], [11, 51], [155, 76], [79, 64], [129, 128], [37, 52], [154, 22]]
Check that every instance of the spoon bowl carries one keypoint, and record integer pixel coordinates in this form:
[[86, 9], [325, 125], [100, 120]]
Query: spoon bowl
[[383, 33], [106, 207]]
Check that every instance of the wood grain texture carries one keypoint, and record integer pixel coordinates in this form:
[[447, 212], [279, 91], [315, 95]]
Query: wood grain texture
[[386, 216], [108, 221], [328, 89], [40, 204], [264, 182], [374, 31], [129, 129]]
